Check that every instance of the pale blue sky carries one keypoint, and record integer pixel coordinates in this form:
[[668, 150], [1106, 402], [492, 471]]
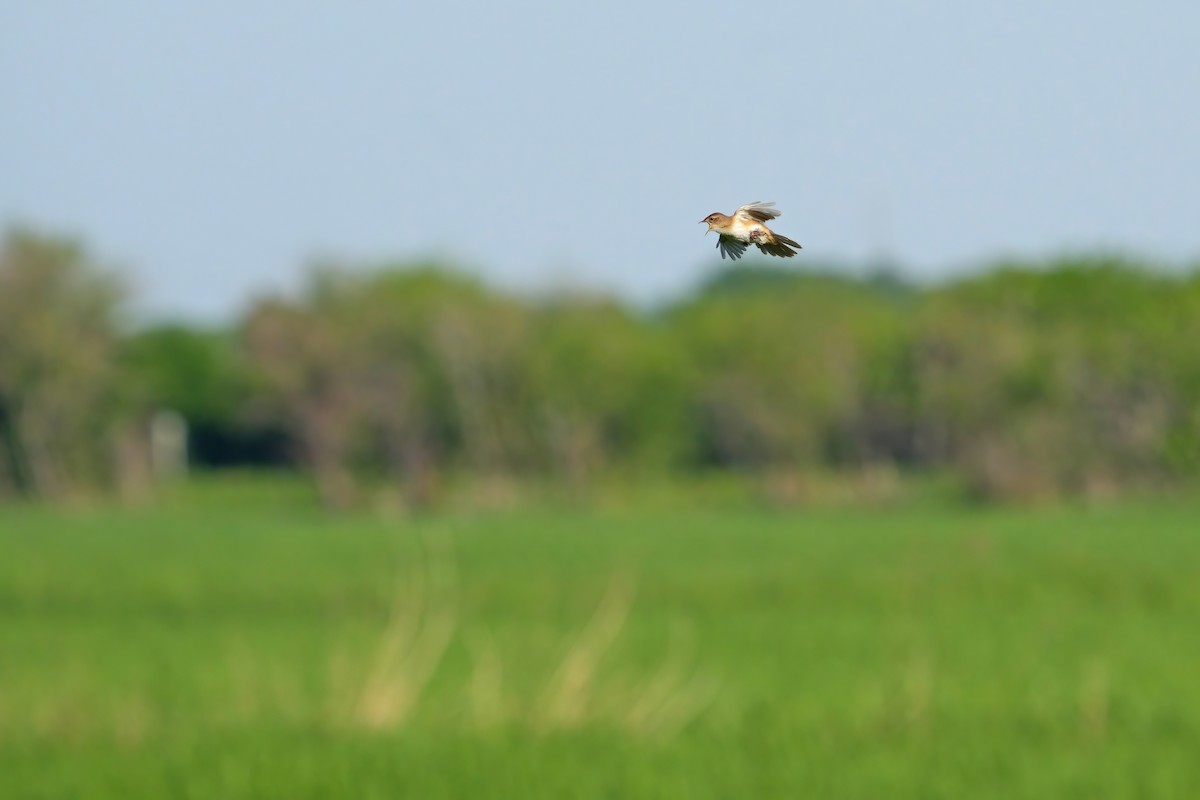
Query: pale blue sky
[[213, 149]]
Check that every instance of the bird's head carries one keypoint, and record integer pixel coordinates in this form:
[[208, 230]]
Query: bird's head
[[713, 220]]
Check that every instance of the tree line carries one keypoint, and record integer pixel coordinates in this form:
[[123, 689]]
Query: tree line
[[1025, 380]]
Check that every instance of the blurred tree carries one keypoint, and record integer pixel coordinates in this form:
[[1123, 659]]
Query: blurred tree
[[796, 369], [59, 401], [1074, 377], [603, 386], [438, 377], [394, 371], [305, 381]]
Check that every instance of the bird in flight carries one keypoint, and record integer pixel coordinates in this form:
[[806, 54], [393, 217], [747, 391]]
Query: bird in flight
[[745, 227]]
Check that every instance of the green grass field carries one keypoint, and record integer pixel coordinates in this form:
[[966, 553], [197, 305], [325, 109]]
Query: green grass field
[[238, 643]]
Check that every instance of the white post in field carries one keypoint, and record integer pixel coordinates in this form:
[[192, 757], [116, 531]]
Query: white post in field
[[168, 445]]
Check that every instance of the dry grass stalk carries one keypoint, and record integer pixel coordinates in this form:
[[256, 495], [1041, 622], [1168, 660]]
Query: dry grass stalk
[[419, 629]]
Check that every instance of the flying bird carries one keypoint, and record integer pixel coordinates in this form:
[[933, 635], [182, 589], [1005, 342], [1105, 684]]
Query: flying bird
[[745, 227]]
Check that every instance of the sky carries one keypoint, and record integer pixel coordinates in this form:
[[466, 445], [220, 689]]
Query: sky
[[213, 151]]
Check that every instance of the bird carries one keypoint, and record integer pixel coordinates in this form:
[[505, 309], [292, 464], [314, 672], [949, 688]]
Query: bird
[[745, 227]]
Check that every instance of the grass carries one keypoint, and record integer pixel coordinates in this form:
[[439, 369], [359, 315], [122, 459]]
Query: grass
[[234, 641]]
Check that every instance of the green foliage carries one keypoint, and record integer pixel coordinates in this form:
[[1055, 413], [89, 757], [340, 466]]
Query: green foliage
[[1078, 377], [788, 367], [194, 372], [603, 385], [393, 372], [204, 376], [59, 393], [1029, 381], [209, 648]]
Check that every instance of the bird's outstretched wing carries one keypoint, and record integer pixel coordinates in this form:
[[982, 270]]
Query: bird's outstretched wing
[[729, 246], [758, 212]]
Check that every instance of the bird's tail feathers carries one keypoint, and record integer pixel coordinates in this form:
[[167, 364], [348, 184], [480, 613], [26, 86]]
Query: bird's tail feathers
[[776, 245]]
